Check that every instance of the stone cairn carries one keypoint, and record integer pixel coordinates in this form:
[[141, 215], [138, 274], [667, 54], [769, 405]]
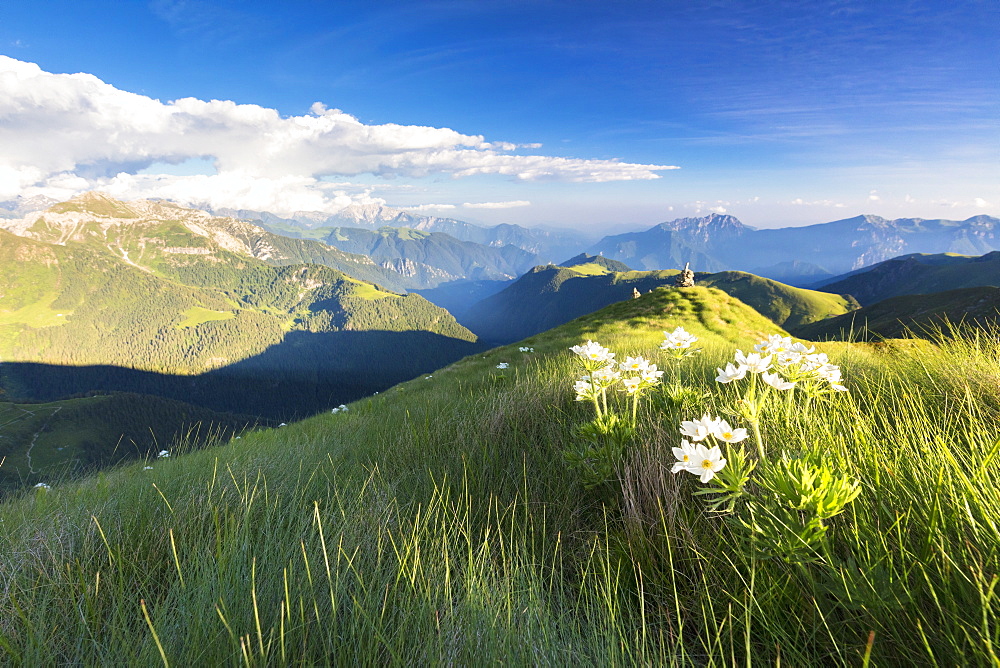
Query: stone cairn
[[685, 279]]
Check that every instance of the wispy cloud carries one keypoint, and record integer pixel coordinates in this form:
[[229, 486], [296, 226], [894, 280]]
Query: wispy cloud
[[429, 207], [495, 205], [798, 201], [60, 125]]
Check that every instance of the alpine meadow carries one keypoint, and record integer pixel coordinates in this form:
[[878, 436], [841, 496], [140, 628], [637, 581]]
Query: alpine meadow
[[482, 514], [546, 333]]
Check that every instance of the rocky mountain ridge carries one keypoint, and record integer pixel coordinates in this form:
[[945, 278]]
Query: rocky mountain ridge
[[796, 255]]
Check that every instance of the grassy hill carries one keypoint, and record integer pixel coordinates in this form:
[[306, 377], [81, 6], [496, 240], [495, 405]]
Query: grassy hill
[[909, 315], [549, 296], [918, 274], [61, 439], [440, 522]]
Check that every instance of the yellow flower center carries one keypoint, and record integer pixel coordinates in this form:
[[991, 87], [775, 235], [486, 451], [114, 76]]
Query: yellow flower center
[[726, 435], [707, 464]]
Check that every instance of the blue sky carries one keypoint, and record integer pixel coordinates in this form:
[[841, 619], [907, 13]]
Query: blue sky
[[596, 115]]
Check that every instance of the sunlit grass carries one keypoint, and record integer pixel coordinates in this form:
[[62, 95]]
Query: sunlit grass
[[439, 523], [197, 315], [37, 314]]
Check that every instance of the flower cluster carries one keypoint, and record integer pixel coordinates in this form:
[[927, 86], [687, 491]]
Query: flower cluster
[[783, 364], [699, 430], [594, 355], [526, 349], [503, 365], [678, 343], [163, 454], [634, 376], [340, 409], [793, 493], [602, 373], [696, 457]]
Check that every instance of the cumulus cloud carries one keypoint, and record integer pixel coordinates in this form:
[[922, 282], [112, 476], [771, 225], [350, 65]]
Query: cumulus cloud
[[720, 207], [495, 205], [54, 125], [980, 203]]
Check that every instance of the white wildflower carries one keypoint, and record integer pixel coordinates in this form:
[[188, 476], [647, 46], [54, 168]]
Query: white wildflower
[[639, 364], [584, 390], [163, 454], [731, 373], [605, 377], [706, 462], [753, 361], [593, 351], [684, 455], [652, 375], [701, 429], [632, 384], [775, 343], [724, 432], [776, 381], [502, 365], [678, 339]]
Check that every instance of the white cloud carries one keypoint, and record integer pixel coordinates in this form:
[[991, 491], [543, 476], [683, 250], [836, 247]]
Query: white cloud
[[798, 201], [873, 196], [719, 206], [55, 125], [980, 203], [495, 205], [428, 207]]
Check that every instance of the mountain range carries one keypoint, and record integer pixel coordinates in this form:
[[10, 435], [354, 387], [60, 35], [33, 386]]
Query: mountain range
[[150, 297], [796, 255], [917, 273], [932, 315], [548, 245]]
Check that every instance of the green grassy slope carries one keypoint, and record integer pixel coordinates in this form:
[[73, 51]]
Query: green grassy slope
[[784, 304], [440, 523], [97, 295], [549, 296], [79, 304], [908, 315], [55, 440]]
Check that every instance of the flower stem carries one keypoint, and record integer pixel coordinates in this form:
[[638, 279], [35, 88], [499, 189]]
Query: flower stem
[[757, 439]]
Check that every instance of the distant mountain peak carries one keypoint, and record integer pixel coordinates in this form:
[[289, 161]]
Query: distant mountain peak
[[714, 222], [372, 213]]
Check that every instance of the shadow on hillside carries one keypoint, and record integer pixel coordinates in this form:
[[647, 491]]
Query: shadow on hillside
[[458, 296], [306, 373]]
